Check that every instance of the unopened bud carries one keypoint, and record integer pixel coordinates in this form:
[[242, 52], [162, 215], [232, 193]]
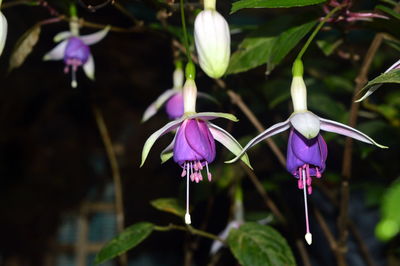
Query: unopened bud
[[212, 39]]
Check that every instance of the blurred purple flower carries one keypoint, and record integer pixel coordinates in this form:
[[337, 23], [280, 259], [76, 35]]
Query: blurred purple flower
[[346, 15], [174, 106], [75, 52]]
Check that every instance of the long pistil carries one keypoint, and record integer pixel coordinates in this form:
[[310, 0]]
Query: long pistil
[[187, 215], [308, 235]]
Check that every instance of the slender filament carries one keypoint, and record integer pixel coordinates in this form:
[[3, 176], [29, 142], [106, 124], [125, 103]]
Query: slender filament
[[187, 215]]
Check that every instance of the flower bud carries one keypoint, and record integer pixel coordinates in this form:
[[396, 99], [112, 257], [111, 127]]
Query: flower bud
[[212, 39], [178, 77], [298, 92], [3, 31]]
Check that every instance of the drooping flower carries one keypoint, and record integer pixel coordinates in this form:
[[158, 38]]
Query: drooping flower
[[173, 98], [346, 15], [74, 50], [212, 39], [193, 146], [307, 150], [375, 87], [3, 31]]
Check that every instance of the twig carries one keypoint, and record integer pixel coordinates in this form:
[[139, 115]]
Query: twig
[[119, 207], [189, 229], [361, 80], [325, 229]]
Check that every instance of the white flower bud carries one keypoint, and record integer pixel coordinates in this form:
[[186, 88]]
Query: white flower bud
[[298, 92], [178, 77], [189, 96], [212, 38], [3, 31]]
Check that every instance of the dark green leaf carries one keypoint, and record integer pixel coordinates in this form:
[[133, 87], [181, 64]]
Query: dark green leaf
[[389, 77], [328, 47], [170, 205], [129, 238], [272, 4], [255, 51], [255, 245], [286, 41], [388, 11], [24, 47], [252, 52]]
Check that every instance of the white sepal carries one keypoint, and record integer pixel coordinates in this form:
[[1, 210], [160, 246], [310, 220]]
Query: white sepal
[[189, 96], [3, 32], [306, 123]]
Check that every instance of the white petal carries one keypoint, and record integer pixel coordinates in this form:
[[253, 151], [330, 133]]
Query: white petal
[[94, 37], [57, 53], [88, 67], [339, 128], [153, 108], [152, 139], [62, 36], [306, 123], [3, 32], [269, 132], [228, 141]]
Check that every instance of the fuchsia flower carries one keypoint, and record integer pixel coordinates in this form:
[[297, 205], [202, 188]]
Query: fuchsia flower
[[74, 50], [307, 150], [173, 97], [193, 146], [346, 15]]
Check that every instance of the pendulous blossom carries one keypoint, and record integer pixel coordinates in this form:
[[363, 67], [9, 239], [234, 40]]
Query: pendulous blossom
[[193, 147], [212, 39], [74, 50], [375, 87], [173, 98], [307, 150]]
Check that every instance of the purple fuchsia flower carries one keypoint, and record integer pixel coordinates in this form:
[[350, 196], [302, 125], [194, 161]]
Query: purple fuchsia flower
[[346, 15], [375, 87], [193, 147], [172, 97], [307, 150], [74, 50]]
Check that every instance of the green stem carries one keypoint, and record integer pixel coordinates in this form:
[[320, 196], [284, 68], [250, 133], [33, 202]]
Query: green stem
[[316, 30], [72, 11], [185, 34], [189, 229]]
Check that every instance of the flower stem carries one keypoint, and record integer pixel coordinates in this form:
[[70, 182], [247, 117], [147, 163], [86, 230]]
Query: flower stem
[[316, 30], [185, 34], [189, 229]]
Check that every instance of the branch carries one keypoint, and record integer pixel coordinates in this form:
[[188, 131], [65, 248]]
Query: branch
[[119, 208]]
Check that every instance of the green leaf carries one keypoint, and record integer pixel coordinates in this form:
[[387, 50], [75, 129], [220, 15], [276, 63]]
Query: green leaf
[[255, 50], [128, 239], [170, 205], [252, 52], [24, 47], [392, 76], [389, 11], [272, 4], [389, 225], [286, 41], [389, 77], [328, 47], [255, 245]]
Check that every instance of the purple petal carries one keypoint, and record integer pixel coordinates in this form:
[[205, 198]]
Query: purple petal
[[76, 50], [200, 139], [339, 128], [174, 106]]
